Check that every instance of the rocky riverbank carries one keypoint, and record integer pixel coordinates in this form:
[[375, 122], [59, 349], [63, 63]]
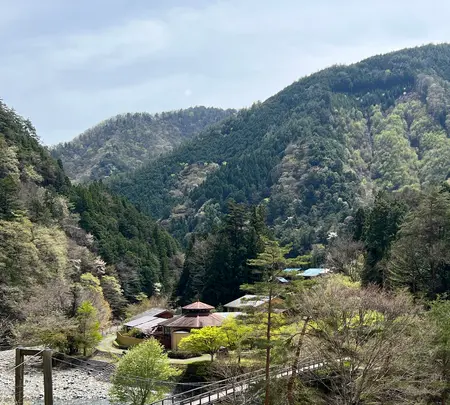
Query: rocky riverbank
[[74, 386]]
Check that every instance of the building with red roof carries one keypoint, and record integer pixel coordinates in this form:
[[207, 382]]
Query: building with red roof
[[168, 329], [194, 316]]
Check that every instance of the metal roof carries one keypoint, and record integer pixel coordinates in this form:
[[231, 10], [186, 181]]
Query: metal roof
[[155, 312], [196, 321], [247, 301], [229, 314], [313, 272], [167, 322], [146, 316], [150, 325], [198, 305], [289, 269], [139, 321], [282, 280]]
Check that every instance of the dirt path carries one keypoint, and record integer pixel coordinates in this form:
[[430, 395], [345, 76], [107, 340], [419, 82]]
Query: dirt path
[[106, 345]]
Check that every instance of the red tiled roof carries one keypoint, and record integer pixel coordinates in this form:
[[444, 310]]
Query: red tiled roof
[[198, 305], [196, 321]]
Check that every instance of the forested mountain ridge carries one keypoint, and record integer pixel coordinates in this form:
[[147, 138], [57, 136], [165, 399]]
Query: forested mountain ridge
[[126, 141], [68, 252], [312, 153]]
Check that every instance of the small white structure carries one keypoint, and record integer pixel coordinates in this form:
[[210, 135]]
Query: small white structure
[[246, 301]]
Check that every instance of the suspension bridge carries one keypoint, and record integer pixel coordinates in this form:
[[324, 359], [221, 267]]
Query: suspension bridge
[[233, 387]]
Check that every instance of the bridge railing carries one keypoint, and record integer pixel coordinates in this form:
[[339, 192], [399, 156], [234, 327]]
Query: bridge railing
[[229, 386], [204, 389]]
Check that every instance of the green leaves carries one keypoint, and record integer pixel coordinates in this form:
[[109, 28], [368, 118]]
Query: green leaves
[[382, 223], [125, 237], [216, 266], [141, 373], [205, 340], [126, 142], [420, 257], [88, 327]]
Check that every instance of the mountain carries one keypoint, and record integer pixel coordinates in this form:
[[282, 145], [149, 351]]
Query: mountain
[[124, 142], [62, 246], [313, 153]]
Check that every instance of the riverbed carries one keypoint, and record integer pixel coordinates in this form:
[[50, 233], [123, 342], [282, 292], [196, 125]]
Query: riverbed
[[71, 386]]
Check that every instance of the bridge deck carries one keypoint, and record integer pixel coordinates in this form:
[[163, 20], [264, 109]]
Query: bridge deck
[[232, 386]]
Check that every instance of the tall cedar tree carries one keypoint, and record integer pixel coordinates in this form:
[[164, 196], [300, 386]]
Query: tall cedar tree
[[381, 226], [126, 238], [271, 263], [420, 258], [216, 266]]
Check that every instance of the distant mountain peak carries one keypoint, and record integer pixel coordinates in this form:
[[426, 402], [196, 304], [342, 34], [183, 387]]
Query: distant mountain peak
[[312, 153], [126, 141]]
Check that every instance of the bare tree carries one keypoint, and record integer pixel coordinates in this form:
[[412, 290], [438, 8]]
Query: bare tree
[[243, 393], [345, 255], [363, 337]]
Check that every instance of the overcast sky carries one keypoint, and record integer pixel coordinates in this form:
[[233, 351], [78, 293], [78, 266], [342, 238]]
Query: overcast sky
[[69, 64]]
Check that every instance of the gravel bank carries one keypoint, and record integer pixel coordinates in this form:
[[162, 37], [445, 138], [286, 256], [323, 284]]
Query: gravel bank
[[72, 386]]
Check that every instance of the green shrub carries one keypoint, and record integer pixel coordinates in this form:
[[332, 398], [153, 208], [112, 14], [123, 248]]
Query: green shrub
[[199, 371], [135, 332]]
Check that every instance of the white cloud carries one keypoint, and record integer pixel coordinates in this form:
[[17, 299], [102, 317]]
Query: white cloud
[[113, 46], [231, 52]]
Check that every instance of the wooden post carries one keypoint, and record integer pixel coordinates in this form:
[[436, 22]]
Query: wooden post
[[18, 392], [48, 385]]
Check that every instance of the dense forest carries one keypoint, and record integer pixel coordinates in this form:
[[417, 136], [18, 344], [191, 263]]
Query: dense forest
[[347, 169], [313, 153], [92, 250], [126, 141], [384, 308]]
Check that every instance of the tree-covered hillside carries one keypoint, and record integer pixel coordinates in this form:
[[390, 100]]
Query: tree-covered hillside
[[68, 252], [312, 153], [126, 141]]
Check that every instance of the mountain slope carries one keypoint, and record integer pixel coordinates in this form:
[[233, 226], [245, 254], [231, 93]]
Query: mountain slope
[[126, 141], [312, 153], [62, 245]]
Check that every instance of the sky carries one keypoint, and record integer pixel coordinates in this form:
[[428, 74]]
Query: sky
[[68, 65]]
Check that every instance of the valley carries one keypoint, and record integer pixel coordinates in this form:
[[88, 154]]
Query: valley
[[225, 243]]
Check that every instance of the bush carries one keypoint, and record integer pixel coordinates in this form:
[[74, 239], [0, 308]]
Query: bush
[[135, 332], [182, 354], [199, 371]]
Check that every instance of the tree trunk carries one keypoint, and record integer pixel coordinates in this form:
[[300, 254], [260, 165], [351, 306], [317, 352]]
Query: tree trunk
[[212, 357], [445, 377], [291, 382], [144, 396], [269, 325]]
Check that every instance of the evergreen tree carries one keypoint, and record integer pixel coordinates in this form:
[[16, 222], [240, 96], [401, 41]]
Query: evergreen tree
[[420, 258], [271, 263], [215, 267], [381, 227]]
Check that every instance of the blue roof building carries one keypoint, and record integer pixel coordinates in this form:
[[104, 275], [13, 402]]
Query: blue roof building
[[314, 272]]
